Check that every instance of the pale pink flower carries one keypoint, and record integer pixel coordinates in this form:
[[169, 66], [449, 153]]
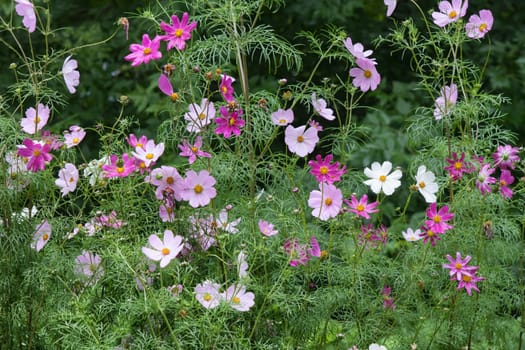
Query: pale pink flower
[[193, 151], [149, 153], [179, 32], [478, 26], [108, 220], [221, 221], [242, 265], [198, 189], [164, 251], [199, 115], [167, 180], [320, 108], [88, 264], [71, 74], [449, 12], [357, 50], [75, 135], [390, 7], [301, 253], [26, 9], [207, 293], [282, 117], [35, 119], [445, 102], [484, 179], [299, 140], [67, 179], [326, 202], [267, 228], [238, 298], [148, 51], [365, 76], [41, 236]]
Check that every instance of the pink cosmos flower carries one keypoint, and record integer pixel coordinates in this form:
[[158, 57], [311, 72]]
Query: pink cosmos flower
[[458, 166], [429, 235], [149, 153], [163, 251], [149, 50], [41, 236], [506, 156], [282, 117], [50, 139], [371, 237], [361, 207], [134, 142], [411, 236], [37, 154], [300, 253], [230, 123], [366, 76], [226, 89], [299, 140], [119, 167], [103, 220], [314, 124], [505, 180], [380, 178], [484, 179], [357, 49], [447, 99], [437, 219], [320, 108], [324, 171], [178, 32], [166, 87], [458, 266], [449, 12], [478, 26], [390, 7], [199, 190], [326, 202], [199, 115], [267, 228], [168, 182], [71, 74], [67, 179], [193, 151], [468, 281], [388, 301], [35, 119], [207, 293], [26, 9], [75, 135], [88, 264], [166, 212], [238, 298]]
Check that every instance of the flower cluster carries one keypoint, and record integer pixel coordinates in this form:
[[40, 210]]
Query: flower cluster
[[463, 273], [365, 74], [300, 253], [208, 294]]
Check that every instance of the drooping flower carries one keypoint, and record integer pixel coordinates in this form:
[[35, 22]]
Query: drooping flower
[[390, 7], [320, 108], [411, 236], [361, 207], [26, 9], [71, 74], [267, 228], [237, 297], [41, 236], [426, 184], [484, 179], [179, 32], [37, 154], [478, 26], [198, 188], [242, 265], [380, 179], [75, 135], [324, 171], [505, 180], [230, 123], [458, 166], [207, 293], [193, 151], [282, 117], [365, 76], [299, 140], [437, 219], [226, 89], [150, 153], [357, 50], [124, 23], [445, 102], [199, 115], [148, 51], [458, 266], [164, 251], [166, 87], [506, 156], [88, 264], [119, 167], [449, 12], [67, 178], [35, 119], [326, 203]]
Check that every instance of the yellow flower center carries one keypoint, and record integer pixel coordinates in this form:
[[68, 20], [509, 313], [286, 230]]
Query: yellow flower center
[[142, 165], [300, 138], [75, 140], [120, 169], [328, 201], [36, 153], [236, 300], [436, 219], [174, 96], [360, 207], [466, 278], [323, 170], [503, 183], [146, 51], [149, 155], [224, 89], [458, 266], [178, 33], [165, 251], [422, 184], [482, 27], [170, 180], [71, 179], [194, 149], [458, 165], [202, 116], [282, 121], [382, 178], [430, 233], [37, 120], [198, 189], [138, 144], [367, 73], [45, 236], [452, 14], [231, 121], [207, 297]]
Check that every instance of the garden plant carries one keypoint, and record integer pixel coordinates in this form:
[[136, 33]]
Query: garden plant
[[257, 217]]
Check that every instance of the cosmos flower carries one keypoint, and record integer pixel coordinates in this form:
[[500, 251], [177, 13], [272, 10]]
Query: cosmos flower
[[365, 75], [326, 203], [26, 9], [67, 178], [299, 140], [380, 178], [426, 184], [71, 74], [179, 32], [282, 117], [145, 52], [163, 251], [41, 236], [479, 25], [320, 108], [449, 12], [35, 119]]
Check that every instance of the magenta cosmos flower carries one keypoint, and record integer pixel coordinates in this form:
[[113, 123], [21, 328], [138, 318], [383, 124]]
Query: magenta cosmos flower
[[193, 151], [75, 135], [458, 166], [207, 293], [199, 115], [301, 253], [237, 297], [449, 12], [41, 236], [299, 140], [320, 108], [445, 102], [357, 50], [326, 203], [163, 251], [178, 32], [26, 9], [361, 207], [119, 167], [149, 50], [230, 123], [134, 142], [267, 228], [199, 190], [429, 235], [505, 180], [390, 7], [458, 266], [71, 74], [88, 264], [37, 154], [35, 119], [67, 179], [437, 219], [226, 89], [166, 87], [506, 156], [388, 301], [324, 170], [366, 76], [468, 281], [282, 117], [479, 25]]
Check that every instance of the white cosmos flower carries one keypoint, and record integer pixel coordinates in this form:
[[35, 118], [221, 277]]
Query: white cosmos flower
[[380, 179], [426, 184], [411, 235]]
